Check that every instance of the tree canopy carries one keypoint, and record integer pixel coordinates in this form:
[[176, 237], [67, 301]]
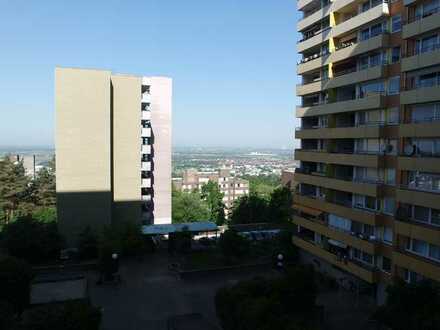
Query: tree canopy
[[255, 208], [211, 194], [189, 207], [21, 195], [411, 307]]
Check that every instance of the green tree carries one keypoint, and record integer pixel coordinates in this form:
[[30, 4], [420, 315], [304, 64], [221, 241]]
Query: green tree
[[411, 307], [250, 208], [188, 207], [15, 283], [214, 198], [43, 188], [263, 184], [280, 205], [31, 240], [14, 189]]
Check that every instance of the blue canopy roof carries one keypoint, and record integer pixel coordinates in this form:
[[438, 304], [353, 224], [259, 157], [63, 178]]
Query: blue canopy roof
[[201, 226]]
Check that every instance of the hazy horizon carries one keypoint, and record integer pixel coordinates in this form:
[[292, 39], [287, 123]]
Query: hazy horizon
[[232, 63]]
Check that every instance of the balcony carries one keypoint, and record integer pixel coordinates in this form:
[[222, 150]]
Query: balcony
[[343, 53], [373, 101], [146, 166], [363, 160], [425, 164], [408, 227], [429, 128], [310, 87], [368, 274], [348, 212], [373, 131], [361, 19], [302, 3], [409, 195], [146, 183], [313, 18], [420, 95], [422, 24], [146, 149], [429, 269], [318, 38], [146, 115], [146, 132], [343, 79], [379, 41], [369, 189], [346, 237], [428, 57], [350, 78]]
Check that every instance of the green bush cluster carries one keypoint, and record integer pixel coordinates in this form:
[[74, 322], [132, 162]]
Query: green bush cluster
[[32, 240], [287, 303]]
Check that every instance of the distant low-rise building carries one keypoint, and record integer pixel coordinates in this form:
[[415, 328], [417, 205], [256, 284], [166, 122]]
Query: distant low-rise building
[[232, 187]]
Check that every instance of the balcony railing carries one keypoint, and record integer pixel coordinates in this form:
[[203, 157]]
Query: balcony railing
[[315, 33], [429, 188], [421, 16]]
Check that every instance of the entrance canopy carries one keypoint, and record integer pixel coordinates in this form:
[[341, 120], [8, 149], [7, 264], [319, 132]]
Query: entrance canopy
[[194, 227]]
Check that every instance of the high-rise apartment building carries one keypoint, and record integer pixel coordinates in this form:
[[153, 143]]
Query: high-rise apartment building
[[113, 149], [230, 186], [368, 197]]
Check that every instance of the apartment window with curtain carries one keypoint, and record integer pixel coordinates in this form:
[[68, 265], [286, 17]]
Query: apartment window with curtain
[[390, 176], [395, 54], [394, 85], [389, 205], [425, 112], [392, 115], [396, 23]]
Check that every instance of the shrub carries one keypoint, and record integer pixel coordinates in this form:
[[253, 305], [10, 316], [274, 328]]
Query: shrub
[[261, 304], [73, 315], [32, 240], [88, 244], [233, 245], [15, 283]]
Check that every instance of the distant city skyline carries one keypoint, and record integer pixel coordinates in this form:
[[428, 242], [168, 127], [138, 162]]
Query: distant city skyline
[[232, 62]]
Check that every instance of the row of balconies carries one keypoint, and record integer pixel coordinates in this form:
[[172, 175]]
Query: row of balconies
[[371, 274], [372, 101], [427, 129], [403, 162], [343, 53], [347, 26]]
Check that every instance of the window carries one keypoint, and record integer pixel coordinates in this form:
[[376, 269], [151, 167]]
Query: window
[[390, 176], [394, 85], [434, 251], [365, 34], [365, 6], [376, 30], [366, 257], [388, 235], [389, 205], [426, 44], [375, 59], [421, 213], [339, 223], [393, 116], [412, 277], [386, 264], [396, 23], [363, 62], [425, 112], [395, 54]]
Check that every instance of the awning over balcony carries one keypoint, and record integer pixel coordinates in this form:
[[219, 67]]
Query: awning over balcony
[[308, 210]]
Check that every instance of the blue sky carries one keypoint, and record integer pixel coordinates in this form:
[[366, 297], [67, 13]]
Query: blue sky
[[232, 62]]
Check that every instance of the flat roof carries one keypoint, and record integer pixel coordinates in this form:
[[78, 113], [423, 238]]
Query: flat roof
[[200, 226]]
